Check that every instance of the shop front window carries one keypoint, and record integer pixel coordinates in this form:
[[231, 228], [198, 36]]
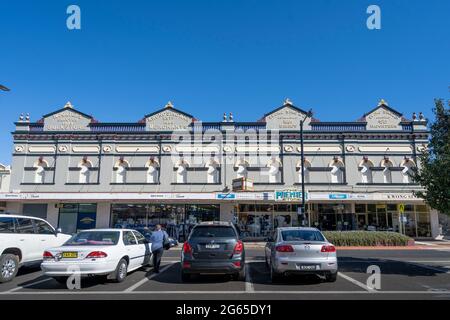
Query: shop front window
[[74, 217], [259, 221], [423, 221], [176, 219]]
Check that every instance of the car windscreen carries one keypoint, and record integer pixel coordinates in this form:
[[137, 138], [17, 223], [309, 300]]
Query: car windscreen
[[302, 235], [94, 238], [213, 232]]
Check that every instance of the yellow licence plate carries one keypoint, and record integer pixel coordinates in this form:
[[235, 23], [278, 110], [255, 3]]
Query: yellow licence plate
[[70, 254]]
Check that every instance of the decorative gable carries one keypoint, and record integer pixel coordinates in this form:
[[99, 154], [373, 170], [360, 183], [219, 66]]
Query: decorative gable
[[286, 117], [383, 118], [168, 119], [67, 119]]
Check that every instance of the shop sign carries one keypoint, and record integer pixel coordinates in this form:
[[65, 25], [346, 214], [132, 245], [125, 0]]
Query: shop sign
[[225, 196], [338, 196], [242, 184], [289, 195]]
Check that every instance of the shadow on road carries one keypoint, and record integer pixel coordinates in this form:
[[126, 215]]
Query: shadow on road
[[387, 266]]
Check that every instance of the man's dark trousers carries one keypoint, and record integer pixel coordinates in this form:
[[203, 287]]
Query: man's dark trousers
[[157, 255]]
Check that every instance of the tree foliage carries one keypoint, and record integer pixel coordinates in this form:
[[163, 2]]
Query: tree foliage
[[434, 173]]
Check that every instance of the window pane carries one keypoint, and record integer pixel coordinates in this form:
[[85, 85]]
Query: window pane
[[24, 226], [42, 227], [360, 208], [6, 225]]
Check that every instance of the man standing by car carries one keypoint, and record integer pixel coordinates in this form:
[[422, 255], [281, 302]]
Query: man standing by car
[[158, 239]]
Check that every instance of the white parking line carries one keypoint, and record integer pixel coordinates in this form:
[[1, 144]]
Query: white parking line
[[249, 288], [140, 283], [356, 282], [28, 285]]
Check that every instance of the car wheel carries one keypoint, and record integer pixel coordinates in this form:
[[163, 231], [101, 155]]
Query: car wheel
[[9, 265], [62, 280], [121, 271], [241, 275], [185, 277], [274, 276], [331, 277]]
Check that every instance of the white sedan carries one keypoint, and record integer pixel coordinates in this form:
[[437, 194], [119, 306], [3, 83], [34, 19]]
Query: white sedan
[[98, 252]]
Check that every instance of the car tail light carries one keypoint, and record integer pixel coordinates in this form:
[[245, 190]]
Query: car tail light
[[187, 248], [237, 264], [97, 254], [284, 248], [47, 255], [328, 248], [186, 265], [238, 248]]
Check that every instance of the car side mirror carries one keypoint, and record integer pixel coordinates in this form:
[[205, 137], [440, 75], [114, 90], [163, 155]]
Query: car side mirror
[[59, 230]]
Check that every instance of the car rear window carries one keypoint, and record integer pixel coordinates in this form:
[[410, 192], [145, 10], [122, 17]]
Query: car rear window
[[213, 232], [94, 238], [302, 235]]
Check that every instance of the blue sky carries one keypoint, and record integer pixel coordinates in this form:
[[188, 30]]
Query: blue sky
[[211, 56]]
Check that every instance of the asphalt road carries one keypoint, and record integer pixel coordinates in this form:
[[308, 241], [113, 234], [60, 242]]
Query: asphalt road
[[405, 274]]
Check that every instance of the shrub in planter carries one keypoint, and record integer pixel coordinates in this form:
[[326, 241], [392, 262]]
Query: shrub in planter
[[367, 238]]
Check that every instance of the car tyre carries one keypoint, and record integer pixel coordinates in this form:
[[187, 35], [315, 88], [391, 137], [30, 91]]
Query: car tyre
[[275, 276], [185, 277], [331, 277], [121, 271], [62, 280], [240, 276], [9, 265]]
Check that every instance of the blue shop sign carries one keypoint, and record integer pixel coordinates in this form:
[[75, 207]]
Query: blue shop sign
[[338, 196], [225, 196]]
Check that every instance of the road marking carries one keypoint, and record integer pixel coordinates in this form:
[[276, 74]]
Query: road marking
[[140, 283], [28, 285], [248, 281], [446, 292], [356, 282]]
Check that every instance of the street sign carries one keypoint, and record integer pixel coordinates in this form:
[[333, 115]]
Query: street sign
[[401, 207]]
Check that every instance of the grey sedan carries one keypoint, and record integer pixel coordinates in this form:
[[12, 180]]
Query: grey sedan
[[299, 250]]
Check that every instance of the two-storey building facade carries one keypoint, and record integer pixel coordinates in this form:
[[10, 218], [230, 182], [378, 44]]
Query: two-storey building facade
[[173, 169]]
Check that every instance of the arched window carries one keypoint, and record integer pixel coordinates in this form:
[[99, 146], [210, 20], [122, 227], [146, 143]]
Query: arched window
[[337, 175], [152, 166], [306, 173], [366, 170], [274, 166], [387, 165], [85, 171], [39, 173], [407, 170], [121, 167], [241, 166], [212, 174], [181, 167]]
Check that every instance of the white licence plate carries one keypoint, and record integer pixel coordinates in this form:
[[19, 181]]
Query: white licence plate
[[306, 267], [212, 246]]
